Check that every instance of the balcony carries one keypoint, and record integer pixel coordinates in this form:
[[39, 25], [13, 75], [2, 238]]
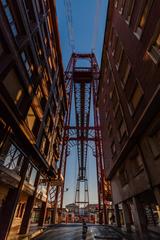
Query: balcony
[[10, 164], [9, 177]]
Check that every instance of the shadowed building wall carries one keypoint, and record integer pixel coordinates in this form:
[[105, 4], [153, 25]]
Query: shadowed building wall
[[32, 109], [129, 97]]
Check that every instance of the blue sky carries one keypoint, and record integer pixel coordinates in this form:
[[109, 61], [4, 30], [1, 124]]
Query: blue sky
[[83, 17], [84, 30]]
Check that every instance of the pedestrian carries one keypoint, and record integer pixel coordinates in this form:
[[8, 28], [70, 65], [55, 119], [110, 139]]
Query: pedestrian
[[84, 227], [112, 218]]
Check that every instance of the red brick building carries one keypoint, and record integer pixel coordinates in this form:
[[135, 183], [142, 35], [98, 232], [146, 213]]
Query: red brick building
[[129, 99]]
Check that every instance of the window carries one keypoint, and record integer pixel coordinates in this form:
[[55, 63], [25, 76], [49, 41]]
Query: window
[[125, 68], [56, 149], [128, 9], [113, 148], [136, 97], [118, 53], [44, 87], [111, 38], [123, 176], [41, 98], [47, 80], [136, 162], [114, 100], [56, 92], [30, 12], [154, 143], [116, 3], [27, 64], [13, 86], [62, 108], [154, 50], [39, 6], [33, 121], [114, 41], [38, 47], [45, 35], [50, 62], [30, 118], [36, 126], [110, 76], [10, 18], [109, 128], [49, 124], [143, 17], [31, 174], [53, 106], [49, 24], [121, 5], [120, 123], [134, 92], [12, 157], [20, 210], [107, 115], [44, 145]]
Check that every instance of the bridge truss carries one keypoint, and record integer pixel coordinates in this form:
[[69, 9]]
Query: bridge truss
[[82, 86]]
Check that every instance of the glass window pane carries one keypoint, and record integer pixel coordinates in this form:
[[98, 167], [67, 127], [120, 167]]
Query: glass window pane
[[23, 56], [27, 66], [33, 176], [8, 14], [137, 97], [4, 2], [14, 29], [144, 15]]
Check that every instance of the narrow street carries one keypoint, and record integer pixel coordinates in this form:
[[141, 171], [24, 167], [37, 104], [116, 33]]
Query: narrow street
[[79, 119], [74, 232]]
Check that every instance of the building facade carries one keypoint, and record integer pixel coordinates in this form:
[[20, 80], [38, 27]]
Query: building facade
[[129, 98], [32, 109]]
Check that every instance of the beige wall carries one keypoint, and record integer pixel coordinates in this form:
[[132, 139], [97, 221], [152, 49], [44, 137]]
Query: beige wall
[[17, 221]]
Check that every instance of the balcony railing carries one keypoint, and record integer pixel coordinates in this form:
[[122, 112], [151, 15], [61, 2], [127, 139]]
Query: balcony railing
[[12, 158]]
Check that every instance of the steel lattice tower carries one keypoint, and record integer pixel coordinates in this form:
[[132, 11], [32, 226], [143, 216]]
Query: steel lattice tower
[[82, 86]]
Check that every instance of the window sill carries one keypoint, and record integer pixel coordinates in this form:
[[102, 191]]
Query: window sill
[[153, 58], [123, 85], [120, 11], [127, 22], [117, 66], [116, 4], [138, 36], [113, 52]]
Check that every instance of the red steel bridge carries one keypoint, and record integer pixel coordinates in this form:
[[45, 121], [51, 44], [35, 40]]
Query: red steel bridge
[[82, 86]]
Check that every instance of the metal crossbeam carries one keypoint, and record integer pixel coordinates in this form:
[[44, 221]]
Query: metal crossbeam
[[82, 86]]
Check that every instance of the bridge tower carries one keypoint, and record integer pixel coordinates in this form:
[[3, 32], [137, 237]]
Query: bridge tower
[[82, 88]]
